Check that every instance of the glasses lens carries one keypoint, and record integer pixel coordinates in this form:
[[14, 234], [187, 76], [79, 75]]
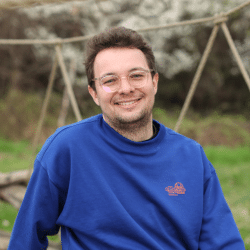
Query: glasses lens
[[110, 83], [138, 78]]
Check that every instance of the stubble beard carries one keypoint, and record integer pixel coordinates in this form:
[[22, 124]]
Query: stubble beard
[[131, 123]]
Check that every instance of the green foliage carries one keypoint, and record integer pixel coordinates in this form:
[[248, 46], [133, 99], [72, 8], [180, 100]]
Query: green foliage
[[14, 156], [225, 156], [20, 112], [15, 148], [234, 180], [233, 169], [167, 118], [212, 130], [7, 216]]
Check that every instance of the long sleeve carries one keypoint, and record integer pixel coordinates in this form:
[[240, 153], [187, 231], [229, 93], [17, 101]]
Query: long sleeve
[[219, 230], [38, 213]]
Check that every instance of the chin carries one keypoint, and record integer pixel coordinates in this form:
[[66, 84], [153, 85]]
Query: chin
[[133, 118]]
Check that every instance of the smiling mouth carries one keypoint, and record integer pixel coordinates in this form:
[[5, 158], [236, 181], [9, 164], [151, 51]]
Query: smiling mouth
[[127, 103]]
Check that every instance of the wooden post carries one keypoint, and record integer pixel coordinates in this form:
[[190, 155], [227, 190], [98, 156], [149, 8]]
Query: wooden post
[[67, 83], [65, 99], [197, 77], [236, 54], [45, 105]]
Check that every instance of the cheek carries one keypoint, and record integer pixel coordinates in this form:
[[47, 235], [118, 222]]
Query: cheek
[[105, 100], [151, 91]]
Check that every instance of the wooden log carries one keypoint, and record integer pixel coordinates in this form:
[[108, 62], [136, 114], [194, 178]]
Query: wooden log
[[13, 194], [4, 242], [14, 177], [5, 238]]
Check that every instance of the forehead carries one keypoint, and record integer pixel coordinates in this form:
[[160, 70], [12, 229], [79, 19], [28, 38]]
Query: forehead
[[118, 61]]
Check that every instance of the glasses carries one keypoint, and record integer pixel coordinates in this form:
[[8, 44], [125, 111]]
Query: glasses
[[136, 78]]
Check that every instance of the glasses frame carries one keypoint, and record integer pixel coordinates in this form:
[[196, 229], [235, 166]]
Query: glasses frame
[[120, 77]]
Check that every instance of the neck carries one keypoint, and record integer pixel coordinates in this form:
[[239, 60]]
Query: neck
[[138, 131]]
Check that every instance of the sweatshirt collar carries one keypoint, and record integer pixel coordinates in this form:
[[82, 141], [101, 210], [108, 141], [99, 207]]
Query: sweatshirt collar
[[123, 144]]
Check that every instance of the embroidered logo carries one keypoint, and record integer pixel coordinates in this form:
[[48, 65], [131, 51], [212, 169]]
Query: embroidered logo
[[177, 189]]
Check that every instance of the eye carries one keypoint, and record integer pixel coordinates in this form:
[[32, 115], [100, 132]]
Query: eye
[[109, 80], [138, 75]]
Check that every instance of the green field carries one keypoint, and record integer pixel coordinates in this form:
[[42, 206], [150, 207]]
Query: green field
[[232, 166]]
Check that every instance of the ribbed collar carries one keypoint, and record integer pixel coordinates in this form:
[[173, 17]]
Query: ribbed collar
[[122, 144]]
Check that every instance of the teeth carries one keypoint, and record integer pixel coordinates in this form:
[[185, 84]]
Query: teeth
[[126, 103]]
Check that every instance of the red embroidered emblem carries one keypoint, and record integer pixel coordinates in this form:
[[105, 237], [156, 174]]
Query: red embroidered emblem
[[177, 189]]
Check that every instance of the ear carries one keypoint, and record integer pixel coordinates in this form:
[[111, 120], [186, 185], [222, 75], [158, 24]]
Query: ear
[[93, 93], [155, 82]]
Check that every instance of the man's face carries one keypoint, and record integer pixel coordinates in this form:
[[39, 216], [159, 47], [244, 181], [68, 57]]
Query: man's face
[[127, 105]]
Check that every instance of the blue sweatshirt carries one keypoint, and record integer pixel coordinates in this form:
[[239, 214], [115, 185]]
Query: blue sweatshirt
[[107, 192]]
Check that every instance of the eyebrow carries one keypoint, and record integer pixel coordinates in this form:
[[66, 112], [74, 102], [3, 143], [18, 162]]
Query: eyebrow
[[137, 68], [107, 74], [131, 70]]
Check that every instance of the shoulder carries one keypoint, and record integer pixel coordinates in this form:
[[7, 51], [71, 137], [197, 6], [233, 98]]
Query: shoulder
[[68, 135], [78, 126], [176, 138], [187, 150], [185, 144]]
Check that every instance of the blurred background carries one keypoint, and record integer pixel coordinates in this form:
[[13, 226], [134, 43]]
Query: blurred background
[[25, 69], [218, 116]]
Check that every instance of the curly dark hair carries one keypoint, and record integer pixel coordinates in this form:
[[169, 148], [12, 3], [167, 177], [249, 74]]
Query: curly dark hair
[[118, 37]]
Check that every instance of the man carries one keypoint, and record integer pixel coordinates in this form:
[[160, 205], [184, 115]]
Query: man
[[121, 180]]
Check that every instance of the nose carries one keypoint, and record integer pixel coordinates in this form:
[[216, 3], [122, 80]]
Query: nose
[[125, 86]]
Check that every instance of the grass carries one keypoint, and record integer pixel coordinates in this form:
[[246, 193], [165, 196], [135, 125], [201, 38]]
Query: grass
[[14, 156], [232, 166], [7, 216], [222, 155], [214, 129], [233, 169]]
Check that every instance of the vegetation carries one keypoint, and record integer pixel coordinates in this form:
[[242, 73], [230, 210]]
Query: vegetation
[[232, 167], [215, 129]]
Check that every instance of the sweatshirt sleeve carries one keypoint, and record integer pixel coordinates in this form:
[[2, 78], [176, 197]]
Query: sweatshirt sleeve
[[38, 213], [219, 230]]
